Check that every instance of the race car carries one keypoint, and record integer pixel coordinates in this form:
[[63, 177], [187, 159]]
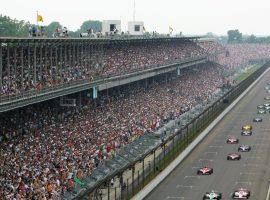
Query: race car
[[267, 98], [247, 127], [261, 111], [205, 171], [232, 140], [266, 104], [233, 156], [267, 107], [212, 195], [244, 148], [260, 107], [246, 133], [241, 193], [257, 119]]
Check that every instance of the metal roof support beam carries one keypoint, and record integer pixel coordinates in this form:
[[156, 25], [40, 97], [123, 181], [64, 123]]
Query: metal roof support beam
[[46, 59], [1, 69], [35, 65], [22, 66], [8, 66], [61, 64], [56, 64], [15, 62]]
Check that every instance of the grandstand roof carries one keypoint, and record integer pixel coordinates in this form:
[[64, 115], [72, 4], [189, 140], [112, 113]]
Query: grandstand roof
[[93, 40]]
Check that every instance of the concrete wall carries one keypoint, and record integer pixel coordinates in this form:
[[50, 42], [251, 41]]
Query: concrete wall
[[106, 25], [131, 27]]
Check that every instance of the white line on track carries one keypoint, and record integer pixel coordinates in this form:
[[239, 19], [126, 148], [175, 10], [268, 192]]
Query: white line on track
[[185, 186], [196, 167], [209, 152], [253, 157], [268, 193], [263, 139], [216, 146], [248, 173], [259, 150], [192, 177], [243, 182], [250, 164], [175, 198], [219, 140], [209, 160]]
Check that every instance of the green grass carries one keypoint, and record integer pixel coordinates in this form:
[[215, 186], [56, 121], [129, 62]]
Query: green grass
[[248, 72]]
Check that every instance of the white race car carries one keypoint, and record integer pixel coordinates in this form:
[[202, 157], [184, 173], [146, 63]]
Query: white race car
[[241, 194], [261, 111], [244, 148], [257, 119], [212, 195], [267, 98], [233, 156]]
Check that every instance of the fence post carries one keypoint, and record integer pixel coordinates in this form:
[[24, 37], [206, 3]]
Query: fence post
[[164, 149], [143, 171], [133, 172], [139, 188], [187, 136], [108, 184], [127, 189], [174, 154], [149, 168]]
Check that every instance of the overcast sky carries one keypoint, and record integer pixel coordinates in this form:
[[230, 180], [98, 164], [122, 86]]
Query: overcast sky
[[188, 16]]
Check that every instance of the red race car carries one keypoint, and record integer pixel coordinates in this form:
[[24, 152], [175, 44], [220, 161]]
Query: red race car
[[205, 171], [232, 140], [234, 156]]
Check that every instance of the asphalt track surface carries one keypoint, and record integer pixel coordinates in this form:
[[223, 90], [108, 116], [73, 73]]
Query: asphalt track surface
[[252, 171]]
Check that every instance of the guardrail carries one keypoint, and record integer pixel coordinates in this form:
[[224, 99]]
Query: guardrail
[[139, 173]]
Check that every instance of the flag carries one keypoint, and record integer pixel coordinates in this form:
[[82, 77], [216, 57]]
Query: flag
[[39, 18], [170, 29], [78, 181]]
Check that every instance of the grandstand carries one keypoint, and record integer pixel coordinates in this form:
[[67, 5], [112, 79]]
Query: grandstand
[[77, 115]]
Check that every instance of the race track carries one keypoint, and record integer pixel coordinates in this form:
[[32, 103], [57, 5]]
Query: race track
[[251, 172]]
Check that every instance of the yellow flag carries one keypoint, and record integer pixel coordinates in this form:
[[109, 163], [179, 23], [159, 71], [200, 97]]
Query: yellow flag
[[39, 18]]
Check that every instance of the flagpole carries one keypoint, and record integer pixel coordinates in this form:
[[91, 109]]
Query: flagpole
[[37, 18]]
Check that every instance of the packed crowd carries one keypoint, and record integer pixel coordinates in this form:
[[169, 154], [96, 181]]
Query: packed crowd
[[18, 76], [239, 54], [46, 150], [211, 47]]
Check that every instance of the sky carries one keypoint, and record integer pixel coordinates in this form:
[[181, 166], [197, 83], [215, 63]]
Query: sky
[[191, 17]]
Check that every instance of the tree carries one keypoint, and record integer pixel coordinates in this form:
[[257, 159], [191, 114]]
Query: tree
[[209, 35], [49, 30], [251, 39], [234, 36], [95, 25], [13, 27]]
